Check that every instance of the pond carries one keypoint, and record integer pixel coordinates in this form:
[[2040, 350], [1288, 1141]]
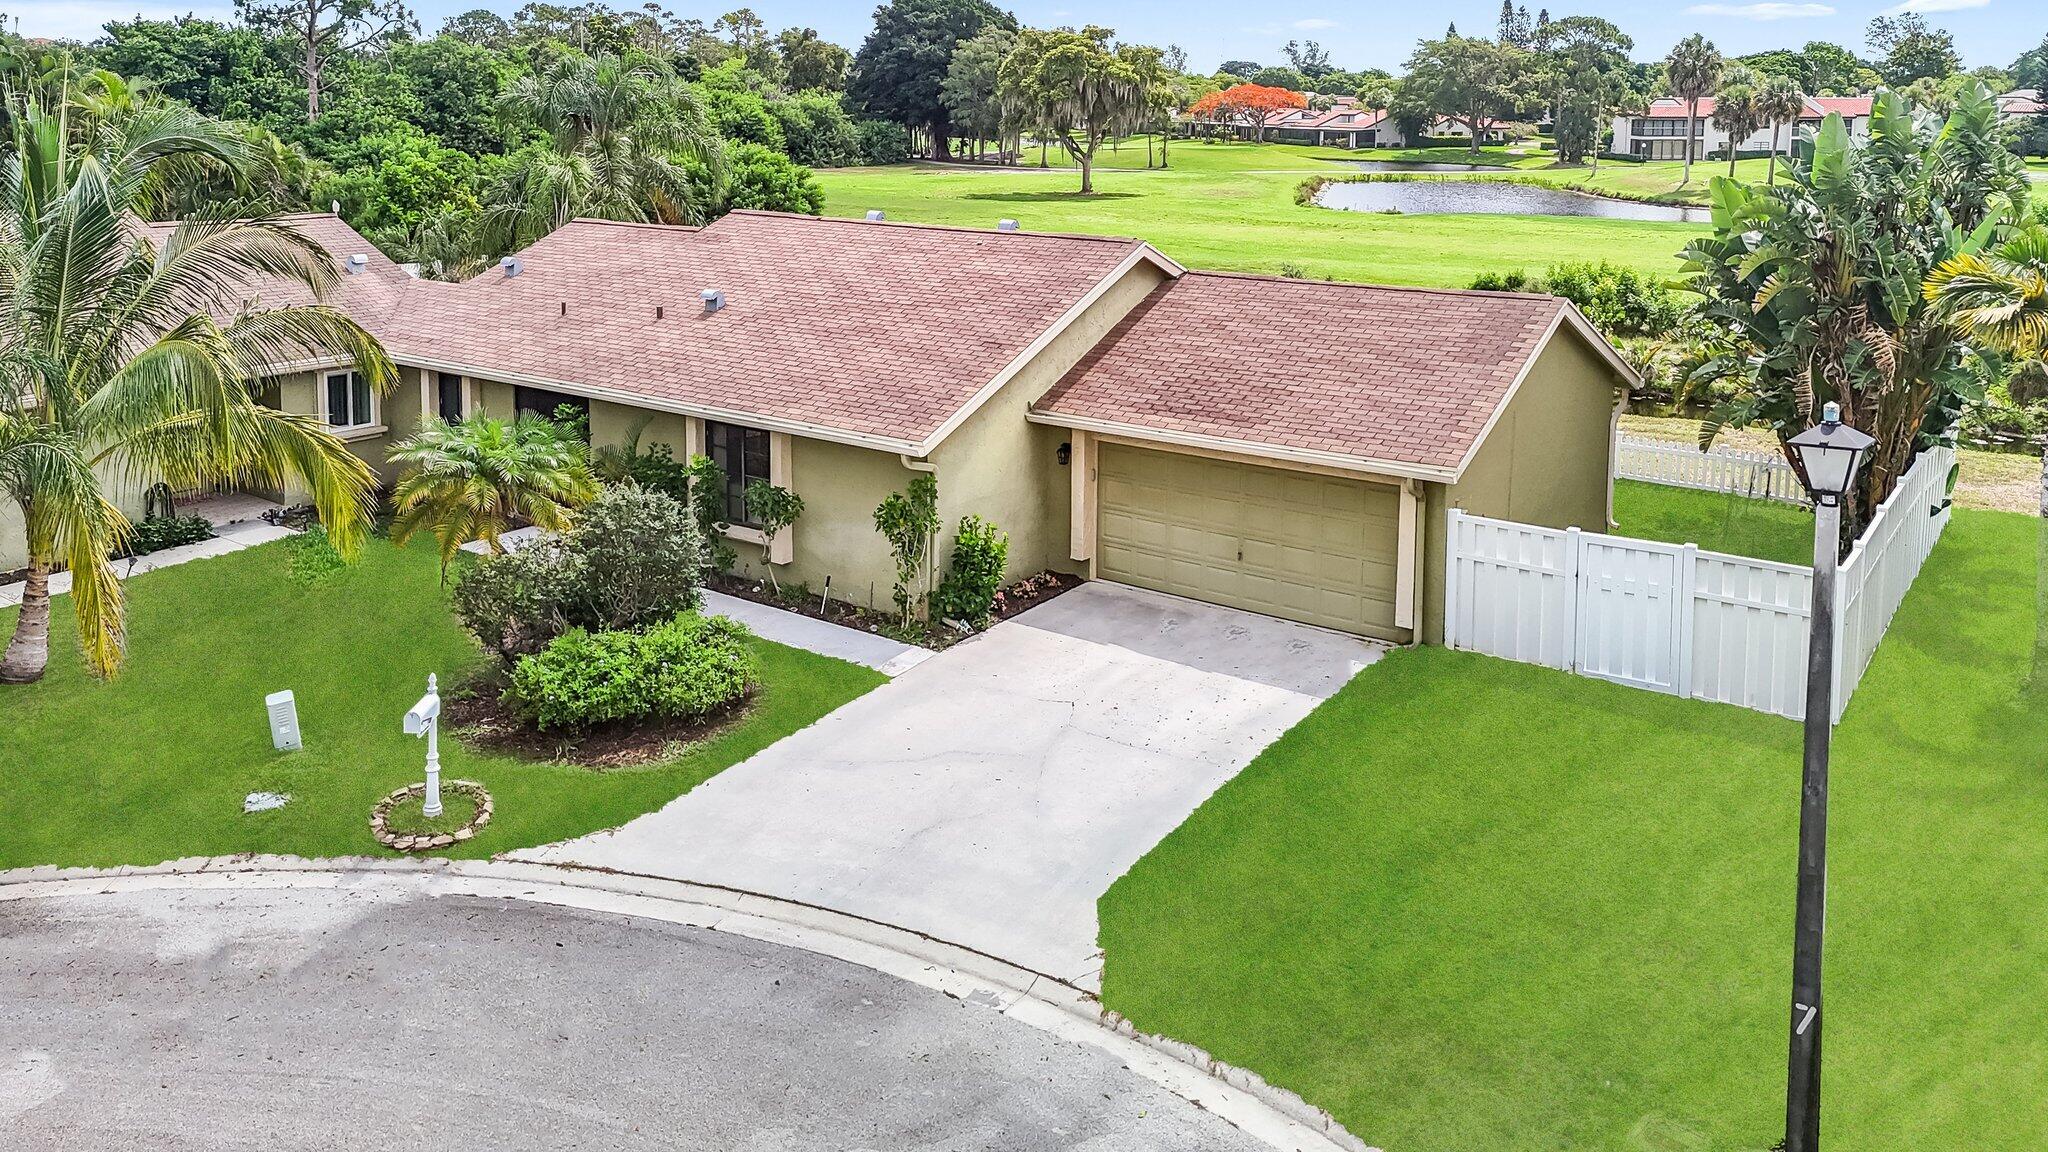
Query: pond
[[1492, 197]]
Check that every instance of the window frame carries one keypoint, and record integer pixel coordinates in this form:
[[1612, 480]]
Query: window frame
[[720, 440], [443, 381], [358, 392]]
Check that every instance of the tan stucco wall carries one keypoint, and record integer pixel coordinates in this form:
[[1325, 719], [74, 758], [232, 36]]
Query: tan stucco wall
[[1005, 469], [1546, 462], [836, 537], [397, 410]]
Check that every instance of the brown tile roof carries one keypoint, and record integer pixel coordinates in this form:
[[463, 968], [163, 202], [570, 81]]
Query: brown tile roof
[[1393, 376], [879, 330], [370, 296]]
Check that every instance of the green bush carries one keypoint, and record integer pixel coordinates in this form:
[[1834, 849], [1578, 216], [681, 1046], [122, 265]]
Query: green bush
[[633, 558], [690, 668], [882, 141], [1513, 280], [816, 131], [156, 533], [761, 178], [1619, 301], [311, 556], [980, 553]]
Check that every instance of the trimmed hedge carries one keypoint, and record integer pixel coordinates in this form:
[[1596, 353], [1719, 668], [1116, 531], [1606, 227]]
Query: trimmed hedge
[[687, 669]]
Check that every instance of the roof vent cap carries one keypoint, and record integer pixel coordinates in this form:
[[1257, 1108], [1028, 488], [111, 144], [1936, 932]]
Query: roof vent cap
[[1006, 225], [512, 265], [356, 263], [713, 300], [876, 216]]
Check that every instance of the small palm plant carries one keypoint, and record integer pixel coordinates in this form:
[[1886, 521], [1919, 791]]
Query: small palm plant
[[476, 479], [127, 359]]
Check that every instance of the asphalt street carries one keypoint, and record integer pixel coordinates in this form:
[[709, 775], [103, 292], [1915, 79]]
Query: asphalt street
[[381, 1018]]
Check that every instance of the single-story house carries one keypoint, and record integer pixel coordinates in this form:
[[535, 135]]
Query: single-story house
[[1087, 395], [1659, 133], [1347, 124]]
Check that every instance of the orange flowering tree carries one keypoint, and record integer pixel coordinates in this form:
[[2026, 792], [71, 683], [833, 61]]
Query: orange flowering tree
[[1252, 105]]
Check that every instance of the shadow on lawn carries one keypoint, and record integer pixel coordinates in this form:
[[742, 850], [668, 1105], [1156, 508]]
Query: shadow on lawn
[[1050, 197]]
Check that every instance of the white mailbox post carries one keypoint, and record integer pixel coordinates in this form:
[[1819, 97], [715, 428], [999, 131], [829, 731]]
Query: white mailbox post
[[425, 720]]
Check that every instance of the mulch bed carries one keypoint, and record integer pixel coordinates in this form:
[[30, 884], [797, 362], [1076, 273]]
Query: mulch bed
[[482, 720], [1011, 600]]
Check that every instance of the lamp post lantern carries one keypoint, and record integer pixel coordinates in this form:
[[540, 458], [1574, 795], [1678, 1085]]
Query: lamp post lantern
[[1825, 456], [425, 720]]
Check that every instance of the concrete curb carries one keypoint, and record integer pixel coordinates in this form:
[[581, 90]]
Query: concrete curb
[[1276, 1116]]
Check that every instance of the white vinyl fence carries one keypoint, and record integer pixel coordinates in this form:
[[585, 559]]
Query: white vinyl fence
[[1674, 618], [1762, 475]]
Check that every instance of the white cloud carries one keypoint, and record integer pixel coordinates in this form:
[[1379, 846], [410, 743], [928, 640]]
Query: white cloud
[[1314, 24], [1767, 11], [1936, 6], [83, 19]]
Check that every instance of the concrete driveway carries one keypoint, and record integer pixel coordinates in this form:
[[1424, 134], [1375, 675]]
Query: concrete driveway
[[991, 794]]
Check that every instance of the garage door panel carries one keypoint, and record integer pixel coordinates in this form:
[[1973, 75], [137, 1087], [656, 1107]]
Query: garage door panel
[[1291, 544]]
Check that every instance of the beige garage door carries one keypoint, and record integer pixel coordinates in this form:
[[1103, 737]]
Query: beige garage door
[[1312, 548]]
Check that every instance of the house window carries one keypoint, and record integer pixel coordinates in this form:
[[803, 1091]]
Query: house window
[[348, 401], [448, 396], [548, 405], [743, 455]]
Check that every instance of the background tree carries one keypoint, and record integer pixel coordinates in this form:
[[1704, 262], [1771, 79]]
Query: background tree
[[1587, 60], [900, 67], [1692, 71], [2030, 69], [1736, 111], [479, 26], [1911, 50], [1238, 69], [620, 139], [971, 90], [1252, 105], [1471, 82], [115, 364], [809, 62], [1075, 89], [1779, 101], [1309, 59], [325, 29]]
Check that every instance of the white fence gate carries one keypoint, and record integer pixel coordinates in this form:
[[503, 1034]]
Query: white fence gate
[[1761, 475], [1674, 618]]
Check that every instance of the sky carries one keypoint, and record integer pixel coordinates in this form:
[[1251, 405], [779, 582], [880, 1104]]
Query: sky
[[1377, 34]]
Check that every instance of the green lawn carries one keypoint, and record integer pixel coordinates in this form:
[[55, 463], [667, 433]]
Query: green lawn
[[1232, 207], [154, 764], [1471, 904], [1716, 521]]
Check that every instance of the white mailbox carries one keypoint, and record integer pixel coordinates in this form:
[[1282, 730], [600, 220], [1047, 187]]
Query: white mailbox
[[284, 721]]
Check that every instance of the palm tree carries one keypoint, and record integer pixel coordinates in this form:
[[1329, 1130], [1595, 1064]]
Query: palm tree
[[123, 360], [1779, 102], [1736, 111], [473, 480], [1693, 69], [621, 137]]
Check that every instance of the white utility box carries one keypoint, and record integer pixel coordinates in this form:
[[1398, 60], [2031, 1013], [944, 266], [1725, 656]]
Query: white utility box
[[284, 721]]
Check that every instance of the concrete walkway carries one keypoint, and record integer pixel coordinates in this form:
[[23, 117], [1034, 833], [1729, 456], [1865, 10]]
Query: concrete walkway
[[230, 538], [890, 657], [990, 795]]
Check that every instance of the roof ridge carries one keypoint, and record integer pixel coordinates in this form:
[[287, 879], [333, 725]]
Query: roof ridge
[[652, 225], [930, 227], [1545, 297]]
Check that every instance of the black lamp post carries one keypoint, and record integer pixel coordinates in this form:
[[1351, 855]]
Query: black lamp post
[[1825, 456]]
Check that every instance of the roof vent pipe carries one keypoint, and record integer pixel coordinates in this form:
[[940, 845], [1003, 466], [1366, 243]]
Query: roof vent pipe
[[356, 263], [512, 265], [876, 216], [713, 300], [1006, 225]]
